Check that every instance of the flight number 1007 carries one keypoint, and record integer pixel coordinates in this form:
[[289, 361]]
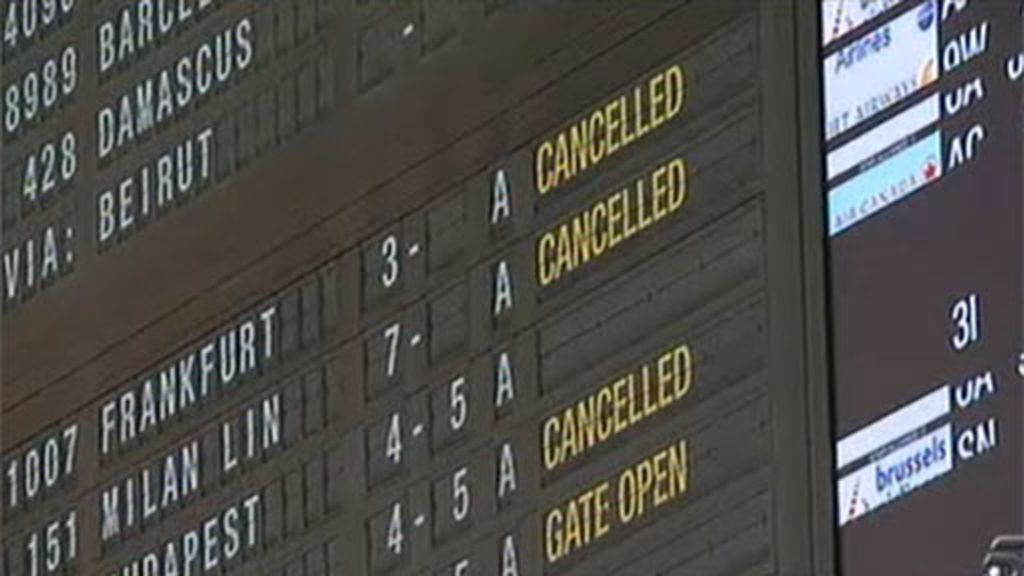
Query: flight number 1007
[[40, 468]]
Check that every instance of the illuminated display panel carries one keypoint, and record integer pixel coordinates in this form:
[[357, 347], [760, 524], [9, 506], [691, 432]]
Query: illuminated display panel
[[418, 288], [924, 209]]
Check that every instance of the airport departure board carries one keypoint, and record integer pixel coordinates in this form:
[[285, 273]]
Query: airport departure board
[[922, 132], [435, 288], [323, 287]]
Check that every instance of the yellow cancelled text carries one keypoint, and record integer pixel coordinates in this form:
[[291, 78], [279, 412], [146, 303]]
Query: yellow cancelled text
[[617, 407], [609, 128], [610, 221]]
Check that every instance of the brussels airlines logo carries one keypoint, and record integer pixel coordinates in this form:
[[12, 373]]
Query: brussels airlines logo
[[911, 464], [900, 475]]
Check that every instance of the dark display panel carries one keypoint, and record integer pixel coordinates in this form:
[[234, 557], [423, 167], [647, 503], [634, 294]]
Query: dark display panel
[[313, 287], [922, 163]]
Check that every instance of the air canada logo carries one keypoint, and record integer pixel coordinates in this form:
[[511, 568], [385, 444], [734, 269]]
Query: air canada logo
[[1005, 557], [886, 183]]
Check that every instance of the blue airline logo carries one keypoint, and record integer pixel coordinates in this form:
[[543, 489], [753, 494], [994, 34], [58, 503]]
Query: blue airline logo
[[896, 476]]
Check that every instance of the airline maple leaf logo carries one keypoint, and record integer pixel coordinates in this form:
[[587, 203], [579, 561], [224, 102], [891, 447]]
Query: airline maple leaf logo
[[930, 171]]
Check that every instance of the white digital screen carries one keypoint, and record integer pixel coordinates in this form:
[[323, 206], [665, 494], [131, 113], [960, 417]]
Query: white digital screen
[[922, 149]]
